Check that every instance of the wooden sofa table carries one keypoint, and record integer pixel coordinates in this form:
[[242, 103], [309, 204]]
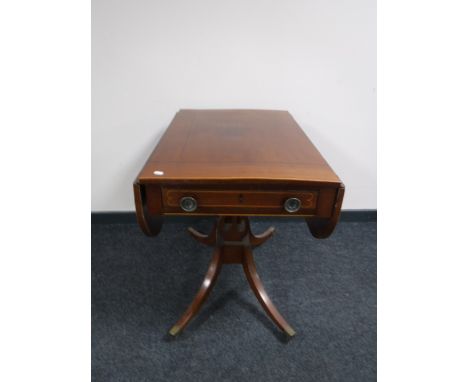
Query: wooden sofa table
[[233, 164]]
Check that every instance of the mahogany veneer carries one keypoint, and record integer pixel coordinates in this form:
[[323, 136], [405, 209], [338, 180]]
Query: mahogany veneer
[[233, 164]]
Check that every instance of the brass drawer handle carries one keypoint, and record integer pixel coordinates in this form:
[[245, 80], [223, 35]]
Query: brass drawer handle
[[292, 205], [188, 204]]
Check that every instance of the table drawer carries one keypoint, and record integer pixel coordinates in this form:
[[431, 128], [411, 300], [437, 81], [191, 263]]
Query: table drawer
[[236, 201]]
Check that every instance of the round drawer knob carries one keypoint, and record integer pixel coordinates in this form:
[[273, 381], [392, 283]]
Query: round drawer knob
[[188, 204], [292, 205]]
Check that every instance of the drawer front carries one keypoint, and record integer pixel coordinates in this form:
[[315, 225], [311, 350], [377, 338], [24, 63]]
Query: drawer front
[[238, 201]]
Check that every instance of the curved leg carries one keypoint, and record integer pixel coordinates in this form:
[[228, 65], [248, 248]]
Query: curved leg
[[210, 239], [257, 240], [205, 289], [257, 286], [233, 241], [202, 238]]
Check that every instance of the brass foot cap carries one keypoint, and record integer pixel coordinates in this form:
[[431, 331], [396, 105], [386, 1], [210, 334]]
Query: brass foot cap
[[290, 332], [174, 330]]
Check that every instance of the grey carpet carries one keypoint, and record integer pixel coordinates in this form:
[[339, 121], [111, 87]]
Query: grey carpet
[[326, 290]]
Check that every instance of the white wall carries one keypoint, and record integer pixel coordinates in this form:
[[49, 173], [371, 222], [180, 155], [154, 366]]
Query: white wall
[[315, 58]]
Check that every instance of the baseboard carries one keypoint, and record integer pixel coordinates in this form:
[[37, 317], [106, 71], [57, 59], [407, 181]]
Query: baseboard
[[129, 217], [358, 216]]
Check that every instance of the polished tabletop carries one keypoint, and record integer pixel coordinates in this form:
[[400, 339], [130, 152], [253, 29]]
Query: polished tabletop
[[236, 145], [234, 164]]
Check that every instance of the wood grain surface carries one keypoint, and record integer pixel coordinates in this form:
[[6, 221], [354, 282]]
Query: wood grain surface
[[237, 163], [233, 145]]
